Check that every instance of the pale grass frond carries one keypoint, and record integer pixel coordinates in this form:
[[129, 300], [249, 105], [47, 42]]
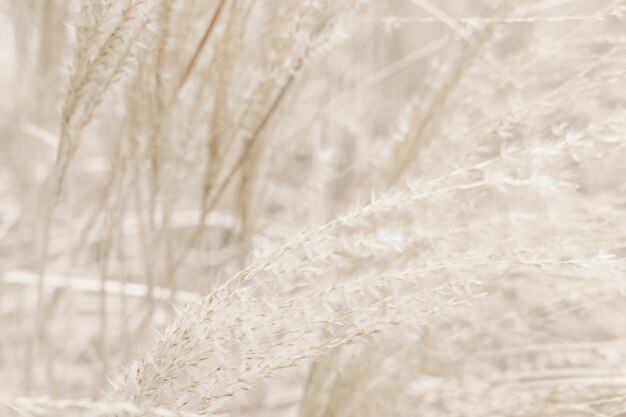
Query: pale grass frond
[[312, 208]]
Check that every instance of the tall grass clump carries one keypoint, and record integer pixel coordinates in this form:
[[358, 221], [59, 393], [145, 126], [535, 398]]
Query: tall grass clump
[[314, 208]]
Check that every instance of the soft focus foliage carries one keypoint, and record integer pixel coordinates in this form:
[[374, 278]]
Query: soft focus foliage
[[314, 208]]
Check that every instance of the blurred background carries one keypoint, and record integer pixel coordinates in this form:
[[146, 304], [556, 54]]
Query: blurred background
[[139, 179]]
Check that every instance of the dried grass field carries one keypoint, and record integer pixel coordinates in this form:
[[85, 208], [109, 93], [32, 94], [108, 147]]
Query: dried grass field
[[313, 208]]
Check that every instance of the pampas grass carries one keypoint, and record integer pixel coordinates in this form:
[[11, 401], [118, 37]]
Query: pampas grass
[[312, 208]]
